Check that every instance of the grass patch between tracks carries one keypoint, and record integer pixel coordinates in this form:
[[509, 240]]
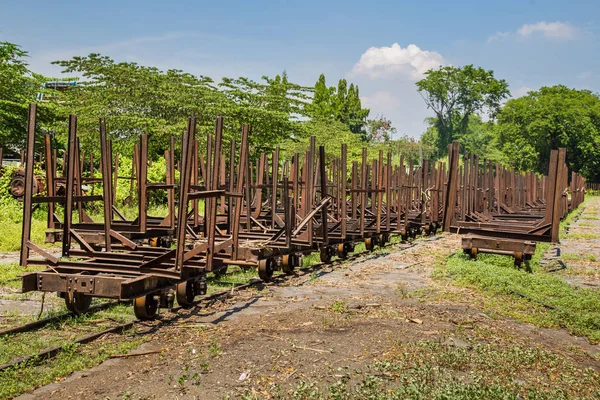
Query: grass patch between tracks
[[24, 378], [60, 332]]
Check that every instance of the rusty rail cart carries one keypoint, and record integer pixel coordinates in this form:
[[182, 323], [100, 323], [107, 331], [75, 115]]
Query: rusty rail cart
[[265, 215], [126, 271], [154, 229], [504, 211]]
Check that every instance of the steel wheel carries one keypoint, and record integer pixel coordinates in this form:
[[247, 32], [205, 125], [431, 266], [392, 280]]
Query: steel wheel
[[220, 271], [404, 235], [186, 292], [325, 254], [427, 229], [265, 269], [77, 303], [370, 244], [342, 250], [473, 253], [287, 263], [145, 307], [518, 258]]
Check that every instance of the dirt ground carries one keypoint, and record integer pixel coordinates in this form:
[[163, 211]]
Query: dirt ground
[[314, 328]]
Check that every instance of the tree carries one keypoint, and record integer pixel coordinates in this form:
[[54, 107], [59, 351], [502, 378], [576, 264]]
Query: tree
[[137, 99], [456, 93], [18, 87], [340, 104], [330, 134], [480, 138], [532, 125], [272, 109], [379, 129]]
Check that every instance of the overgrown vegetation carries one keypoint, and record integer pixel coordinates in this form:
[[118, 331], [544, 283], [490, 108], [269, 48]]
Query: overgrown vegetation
[[429, 370], [536, 297], [14, 382]]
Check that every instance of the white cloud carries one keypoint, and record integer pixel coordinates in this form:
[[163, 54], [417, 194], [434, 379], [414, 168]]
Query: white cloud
[[522, 91], [379, 62], [381, 99], [552, 30], [498, 36]]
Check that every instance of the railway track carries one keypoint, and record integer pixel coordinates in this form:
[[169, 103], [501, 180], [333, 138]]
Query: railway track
[[201, 301]]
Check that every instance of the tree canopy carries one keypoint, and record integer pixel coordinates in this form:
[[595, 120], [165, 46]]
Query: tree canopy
[[532, 125], [339, 104], [455, 94], [17, 88]]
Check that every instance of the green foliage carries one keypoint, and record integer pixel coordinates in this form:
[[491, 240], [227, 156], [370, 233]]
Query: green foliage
[[17, 89], [532, 125], [271, 109], [577, 310], [339, 104], [330, 134], [379, 129], [137, 99], [456, 93], [480, 138]]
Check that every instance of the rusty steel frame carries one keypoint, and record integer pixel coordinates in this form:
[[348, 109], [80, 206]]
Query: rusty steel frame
[[267, 212]]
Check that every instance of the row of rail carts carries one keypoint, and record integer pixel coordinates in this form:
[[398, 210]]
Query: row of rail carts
[[504, 211], [263, 212]]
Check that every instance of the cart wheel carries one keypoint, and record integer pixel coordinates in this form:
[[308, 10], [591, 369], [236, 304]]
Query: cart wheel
[[153, 242], [518, 258], [266, 268], [200, 286], [77, 303], [186, 292], [342, 250], [145, 307], [287, 263], [381, 240], [325, 254], [473, 253], [404, 235], [427, 229], [370, 244], [220, 271], [298, 261]]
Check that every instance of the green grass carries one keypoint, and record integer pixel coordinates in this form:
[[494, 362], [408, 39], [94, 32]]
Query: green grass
[[539, 297], [590, 217], [581, 235], [61, 332], [25, 378], [10, 273], [430, 370], [578, 257], [577, 310], [10, 240]]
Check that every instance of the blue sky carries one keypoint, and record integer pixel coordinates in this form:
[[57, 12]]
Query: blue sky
[[383, 46]]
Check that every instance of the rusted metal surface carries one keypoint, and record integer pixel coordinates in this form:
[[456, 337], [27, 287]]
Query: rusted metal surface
[[498, 203], [267, 212]]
